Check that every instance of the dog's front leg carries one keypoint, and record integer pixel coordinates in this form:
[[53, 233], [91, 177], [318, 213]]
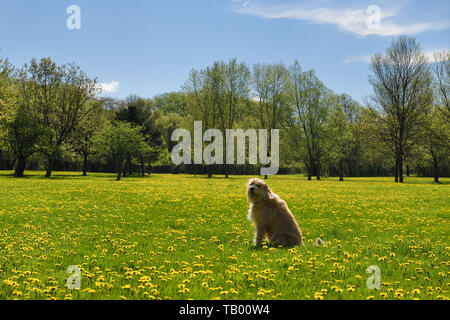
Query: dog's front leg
[[259, 236]]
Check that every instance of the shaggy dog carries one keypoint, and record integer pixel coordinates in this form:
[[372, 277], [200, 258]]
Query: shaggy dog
[[272, 217]]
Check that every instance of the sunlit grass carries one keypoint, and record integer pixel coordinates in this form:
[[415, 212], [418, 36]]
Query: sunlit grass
[[180, 237]]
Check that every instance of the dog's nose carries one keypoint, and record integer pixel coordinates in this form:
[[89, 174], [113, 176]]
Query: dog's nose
[[252, 189]]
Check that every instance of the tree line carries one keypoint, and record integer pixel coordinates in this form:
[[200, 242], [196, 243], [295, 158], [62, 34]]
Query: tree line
[[53, 117]]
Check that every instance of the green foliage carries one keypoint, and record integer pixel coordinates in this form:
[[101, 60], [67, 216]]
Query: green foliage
[[54, 109], [59, 97], [120, 141]]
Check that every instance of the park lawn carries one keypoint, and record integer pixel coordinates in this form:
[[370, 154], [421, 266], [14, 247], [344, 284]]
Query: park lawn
[[182, 237]]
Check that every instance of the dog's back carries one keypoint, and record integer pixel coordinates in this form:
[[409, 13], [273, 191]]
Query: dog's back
[[280, 224]]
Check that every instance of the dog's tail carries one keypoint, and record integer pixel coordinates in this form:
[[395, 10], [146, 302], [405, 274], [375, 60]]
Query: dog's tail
[[319, 242]]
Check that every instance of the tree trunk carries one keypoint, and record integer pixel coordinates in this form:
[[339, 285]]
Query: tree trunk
[[85, 157], [396, 170], [209, 171], [125, 169], [48, 174], [436, 171], [142, 167], [226, 171], [20, 168], [407, 170], [119, 170], [341, 171], [400, 170]]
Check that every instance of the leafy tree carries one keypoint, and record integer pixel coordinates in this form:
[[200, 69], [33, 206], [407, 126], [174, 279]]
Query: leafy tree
[[310, 109], [270, 87], [172, 102], [60, 95], [341, 138], [18, 121], [235, 85], [376, 142], [168, 123], [82, 138], [436, 140], [140, 112], [8, 92], [353, 112], [119, 141], [204, 89]]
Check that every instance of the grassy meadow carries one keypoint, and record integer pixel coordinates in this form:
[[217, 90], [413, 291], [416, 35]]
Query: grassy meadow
[[186, 237]]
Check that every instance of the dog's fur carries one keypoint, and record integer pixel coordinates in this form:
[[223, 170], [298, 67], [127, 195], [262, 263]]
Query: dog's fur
[[271, 216]]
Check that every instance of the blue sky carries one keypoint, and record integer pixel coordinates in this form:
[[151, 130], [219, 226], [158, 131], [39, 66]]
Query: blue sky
[[148, 47]]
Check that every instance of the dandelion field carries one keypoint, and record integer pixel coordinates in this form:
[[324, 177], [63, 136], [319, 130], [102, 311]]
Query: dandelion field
[[186, 237]]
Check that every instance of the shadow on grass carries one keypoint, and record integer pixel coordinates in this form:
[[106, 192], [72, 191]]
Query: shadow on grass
[[222, 177], [267, 245], [55, 176]]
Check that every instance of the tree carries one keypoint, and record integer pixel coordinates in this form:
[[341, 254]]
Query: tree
[[441, 70], [60, 94], [119, 141], [235, 79], [168, 123], [353, 112], [341, 137], [7, 89], [270, 86], [172, 102], [82, 139], [140, 112], [18, 123], [436, 137], [401, 82], [308, 118], [203, 90]]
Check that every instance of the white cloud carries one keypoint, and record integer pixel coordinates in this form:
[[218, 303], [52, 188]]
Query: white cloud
[[109, 87], [365, 59], [429, 54], [245, 3], [350, 20]]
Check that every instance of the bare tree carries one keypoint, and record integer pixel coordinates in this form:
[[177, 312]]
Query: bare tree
[[401, 81], [441, 70]]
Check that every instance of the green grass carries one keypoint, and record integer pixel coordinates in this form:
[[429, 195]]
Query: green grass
[[181, 237]]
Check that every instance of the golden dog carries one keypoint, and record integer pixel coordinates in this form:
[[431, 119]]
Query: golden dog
[[271, 216]]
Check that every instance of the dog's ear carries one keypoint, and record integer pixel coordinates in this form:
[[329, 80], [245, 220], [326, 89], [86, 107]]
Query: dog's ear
[[267, 192]]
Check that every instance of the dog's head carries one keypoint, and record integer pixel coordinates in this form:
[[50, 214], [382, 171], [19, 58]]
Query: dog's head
[[257, 190]]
